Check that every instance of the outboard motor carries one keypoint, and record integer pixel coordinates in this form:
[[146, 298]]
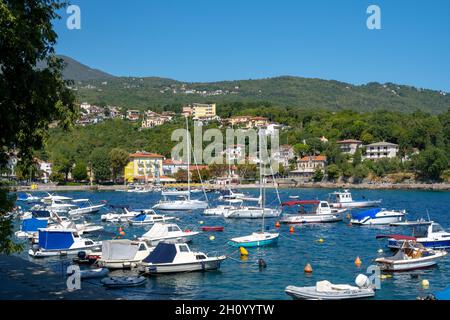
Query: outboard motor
[[362, 281], [81, 255]]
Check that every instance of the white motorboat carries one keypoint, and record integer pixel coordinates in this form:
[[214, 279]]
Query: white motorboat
[[410, 256], [61, 206], [167, 232], [325, 290], [223, 209], [429, 234], [86, 207], [183, 202], [177, 257], [139, 190], [312, 211], [51, 197], [252, 212], [59, 242], [121, 282], [256, 239], [28, 198], [119, 217], [344, 200], [230, 194], [123, 254], [148, 216], [377, 216]]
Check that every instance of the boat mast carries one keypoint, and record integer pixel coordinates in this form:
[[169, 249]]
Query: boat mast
[[188, 145], [261, 188]]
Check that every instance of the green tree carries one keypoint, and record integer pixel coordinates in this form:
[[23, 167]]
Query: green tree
[[101, 164], [119, 158], [79, 172], [181, 175], [333, 172], [360, 172], [57, 177], [318, 175], [357, 157], [431, 163], [31, 98]]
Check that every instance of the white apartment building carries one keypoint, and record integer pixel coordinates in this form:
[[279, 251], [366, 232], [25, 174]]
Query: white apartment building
[[380, 150]]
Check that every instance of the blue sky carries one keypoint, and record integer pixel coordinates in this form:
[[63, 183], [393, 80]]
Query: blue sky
[[209, 40]]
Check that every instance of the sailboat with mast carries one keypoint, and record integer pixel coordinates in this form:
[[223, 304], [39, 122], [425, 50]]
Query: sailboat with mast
[[181, 200], [261, 238]]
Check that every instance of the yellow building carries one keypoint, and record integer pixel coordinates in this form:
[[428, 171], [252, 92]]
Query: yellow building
[[144, 167], [200, 110]]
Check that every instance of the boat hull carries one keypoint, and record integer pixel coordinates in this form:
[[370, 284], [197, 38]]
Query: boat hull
[[204, 265], [253, 241], [356, 204], [180, 206], [385, 220], [432, 244], [252, 214], [387, 264], [312, 218]]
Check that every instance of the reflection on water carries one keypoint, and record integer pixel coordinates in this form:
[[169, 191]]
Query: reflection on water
[[331, 249]]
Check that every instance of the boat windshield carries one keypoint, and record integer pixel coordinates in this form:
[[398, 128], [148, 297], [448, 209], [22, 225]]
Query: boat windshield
[[437, 228], [420, 231]]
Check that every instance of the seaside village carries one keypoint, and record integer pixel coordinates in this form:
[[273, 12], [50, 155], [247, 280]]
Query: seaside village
[[103, 237], [150, 167]]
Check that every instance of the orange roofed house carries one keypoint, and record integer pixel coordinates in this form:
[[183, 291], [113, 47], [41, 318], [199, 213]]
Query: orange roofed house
[[306, 166]]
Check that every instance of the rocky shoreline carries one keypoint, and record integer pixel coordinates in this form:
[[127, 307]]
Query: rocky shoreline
[[284, 185]]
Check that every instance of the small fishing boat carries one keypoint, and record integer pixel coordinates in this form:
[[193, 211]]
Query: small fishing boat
[[344, 199], [60, 242], [430, 234], [86, 207], [410, 256], [122, 254], [122, 216], [325, 290], [312, 211], [170, 258], [252, 212], [148, 217], [167, 232], [212, 228], [121, 282], [377, 216], [93, 273]]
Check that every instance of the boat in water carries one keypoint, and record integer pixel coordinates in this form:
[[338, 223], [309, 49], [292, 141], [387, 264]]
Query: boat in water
[[378, 216], [85, 207], [312, 211], [223, 209], [178, 257], [344, 199], [410, 256], [28, 197], [256, 239], [167, 232], [123, 254], [122, 282], [147, 217], [325, 290], [429, 234], [61, 242]]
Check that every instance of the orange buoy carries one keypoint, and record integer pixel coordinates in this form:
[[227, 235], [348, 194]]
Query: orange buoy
[[358, 262], [308, 268], [291, 229], [122, 233], [277, 224]]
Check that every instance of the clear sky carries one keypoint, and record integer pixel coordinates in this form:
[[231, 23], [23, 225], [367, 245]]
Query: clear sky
[[209, 40]]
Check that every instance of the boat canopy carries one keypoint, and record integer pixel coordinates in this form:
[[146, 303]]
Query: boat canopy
[[33, 224], [55, 239], [299, 202], [119, 249], [371, 213], [395, 237], [163, 253], [160, 230], [140, 217], [40, 213]]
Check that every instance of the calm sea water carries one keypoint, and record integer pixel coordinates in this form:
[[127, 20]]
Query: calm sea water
[[331, 260]]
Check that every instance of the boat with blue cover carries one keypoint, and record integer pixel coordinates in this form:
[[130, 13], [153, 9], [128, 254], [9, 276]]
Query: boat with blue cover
[[430, 235], [377, 216], [148, 217], [30, 227], [57, 242], [177, 257]]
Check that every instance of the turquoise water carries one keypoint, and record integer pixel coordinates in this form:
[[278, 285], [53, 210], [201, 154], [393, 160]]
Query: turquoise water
[[331, 260]]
